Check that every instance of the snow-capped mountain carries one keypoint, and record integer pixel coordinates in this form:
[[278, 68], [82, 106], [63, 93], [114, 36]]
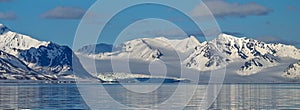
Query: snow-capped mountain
[[11, 42], [144, 48], [23, 57], [41, 56], [95, 49], [13, 68], [205, 57], [249, 55], [255, 55], [245, 48], [136, 49]]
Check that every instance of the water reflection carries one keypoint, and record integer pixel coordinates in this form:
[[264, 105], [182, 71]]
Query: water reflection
[[254, 96], [15, 96], [234, 97]]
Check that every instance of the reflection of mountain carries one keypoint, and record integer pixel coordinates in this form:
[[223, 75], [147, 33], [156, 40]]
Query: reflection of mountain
[[249, 96], [40, 97]]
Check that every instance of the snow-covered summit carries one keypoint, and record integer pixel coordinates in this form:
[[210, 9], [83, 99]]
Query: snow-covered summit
[[205, 57], [240, 48], [181, 45], [246, 48], [3, 29], [11, 42]]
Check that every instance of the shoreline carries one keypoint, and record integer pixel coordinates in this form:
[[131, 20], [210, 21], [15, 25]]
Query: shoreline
[[113, 83]]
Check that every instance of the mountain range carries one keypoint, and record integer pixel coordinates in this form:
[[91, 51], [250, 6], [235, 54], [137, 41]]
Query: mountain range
[[25, 58], [244, 57]]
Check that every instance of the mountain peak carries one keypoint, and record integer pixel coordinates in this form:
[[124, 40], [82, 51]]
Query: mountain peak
[[2, 25], [224, 36], [194, 39], [3, 29], [11, 41]]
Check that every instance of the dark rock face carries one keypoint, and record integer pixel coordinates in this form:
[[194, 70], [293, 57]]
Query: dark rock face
[[14, 69], [53, 58]]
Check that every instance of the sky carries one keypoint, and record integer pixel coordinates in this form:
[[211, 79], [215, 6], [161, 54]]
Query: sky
[[273, 21]]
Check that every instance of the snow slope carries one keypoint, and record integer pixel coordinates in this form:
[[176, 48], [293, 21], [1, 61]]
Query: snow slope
[[144, 48], [12, 42], [257, 64], [206, 57]]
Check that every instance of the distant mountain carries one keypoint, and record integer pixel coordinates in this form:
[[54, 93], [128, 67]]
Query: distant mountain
[[42, 57], [225, 49], [249, 55], [144, 48], [95, 49]]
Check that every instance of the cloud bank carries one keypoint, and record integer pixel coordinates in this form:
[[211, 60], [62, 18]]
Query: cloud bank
[[61, 12], [7, 16], [6, 0], [221, 8]]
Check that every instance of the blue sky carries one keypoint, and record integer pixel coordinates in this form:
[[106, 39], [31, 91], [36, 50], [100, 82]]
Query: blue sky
[[57, 20]]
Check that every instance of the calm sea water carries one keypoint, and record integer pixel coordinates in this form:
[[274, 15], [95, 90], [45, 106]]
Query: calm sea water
[[67, 96]]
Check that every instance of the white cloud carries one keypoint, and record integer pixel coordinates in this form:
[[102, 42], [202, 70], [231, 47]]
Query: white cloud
[[6, 0], [274, 39], [61, 12], [221, 8], [7, 15]]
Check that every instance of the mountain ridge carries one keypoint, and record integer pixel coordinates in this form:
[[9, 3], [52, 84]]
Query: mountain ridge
[[254, 55]]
